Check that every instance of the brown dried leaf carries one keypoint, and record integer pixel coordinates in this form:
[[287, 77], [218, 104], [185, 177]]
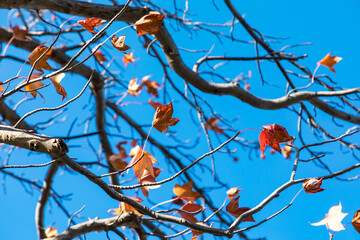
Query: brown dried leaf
[[118, 43], [356, 221], [163, 118], [234, 210], [56, 82], [193, 209], [134, 89], [149, 24], [100, 57], [312, 185], [32, 87]]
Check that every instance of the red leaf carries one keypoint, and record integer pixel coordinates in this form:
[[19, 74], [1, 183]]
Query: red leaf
[[163, 118], [272, 135], [191, 208], [90, 23], [234, 210]]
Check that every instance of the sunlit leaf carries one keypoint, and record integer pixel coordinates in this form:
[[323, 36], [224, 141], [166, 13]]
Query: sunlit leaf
[[134, 89], [128, 58], [118, 43], [330, 61], [36, 53], [233, 192], [356, 221], [32, 87], [51, 232], [90, 23], [163, 118], [272, 135], [56, 82], [124, 207], [149, 24], [333, 219], [185, 192]]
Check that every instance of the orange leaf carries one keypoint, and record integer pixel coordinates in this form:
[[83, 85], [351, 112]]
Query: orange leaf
[[100, 57], [272, 135], [129, 58], [154, 104], [90, 23], [1, 88], [134, 88], [193, 209], [233, 192], [151, 86], [32, 87], [124, 207], [333, 219], [51, 232], [234, 210], [312, 185], [19, 34], [356, 221], [149, 24], [163, 118], [56, 82], [118, 43], [211, 124], [329, 61], [36, 53], [185, 192], [144, 166], [116, 160], [147, 178]]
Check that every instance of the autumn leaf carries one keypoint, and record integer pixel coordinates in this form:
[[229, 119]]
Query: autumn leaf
[[100, 57], [329, 61], [51, 232], [36, 53], [333, 219], [211, 124], [185, 192], [116, 160], [286, 151], [312, 185], [134, 89], [134, 142], [128, 58], [356, 221], [148, 178], [32, 87], [272, 135], [19, 34], [193, 209], [151, 86], [56, 82], [163, 118], [149, 23], [233, 192], [154, 104], [1, 88], [90, 23], [235, 211], [124, 207], [118, 43]]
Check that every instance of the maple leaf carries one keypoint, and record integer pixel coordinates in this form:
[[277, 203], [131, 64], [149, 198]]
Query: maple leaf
[[151, 86], [100, 57], [333, 219], [329, 61], [116, 160], [32, 87], [128, 58], [149, 23], [356, 221], [134, 89], [163, 118], [286, 151], [124, 207], [185, 192], [148, 178], [56, 82], [118, 43], [312, 185], [211, 124], [90, 23], [233, 192], [36, 53], [235, 211], [19, 34], [193, 209], [272, 135], [154, 104], [51, 232]]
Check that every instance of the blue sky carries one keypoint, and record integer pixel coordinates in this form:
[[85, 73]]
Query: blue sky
[[330, 26]]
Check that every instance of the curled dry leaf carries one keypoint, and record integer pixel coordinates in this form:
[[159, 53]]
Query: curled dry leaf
[[149, 23], [90, 23], [185, 192], [333, 219], [124, 207], [312, 185], [235, 211], [329, 61], [272, 135], [192, 210], [163, 118], [19, 34], [151, 86], [36, 53], [233, 192], [134, 89], [128, 58], [56, 82], [286, 151], [32, 87], [100, 57], [211, 124], [356, 221], [118, 43], [51, 232], [116, 160]]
